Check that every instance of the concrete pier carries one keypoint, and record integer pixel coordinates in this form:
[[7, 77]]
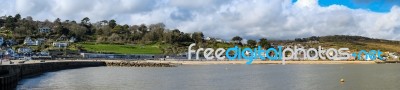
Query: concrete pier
[[11, 74]]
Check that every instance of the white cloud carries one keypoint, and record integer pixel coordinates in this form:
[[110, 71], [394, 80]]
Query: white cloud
[[251, 19]]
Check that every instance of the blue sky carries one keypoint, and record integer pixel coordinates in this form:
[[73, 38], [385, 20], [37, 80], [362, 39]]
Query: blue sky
[[372, 5], [250, 19]]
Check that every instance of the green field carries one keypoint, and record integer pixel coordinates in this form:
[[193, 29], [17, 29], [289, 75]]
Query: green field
[[122, 49]]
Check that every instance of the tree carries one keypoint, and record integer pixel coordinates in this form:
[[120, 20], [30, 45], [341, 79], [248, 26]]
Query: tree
[[17, 17], [1, 22], [237, 39], [85, 20], [143, 29], [78, 31], [264, 43], [118, 29], [251, 43], [112, 23], [157, 30], [58, 26], [115, 38], [29, 18], [104, 22], [198, 37], [10, 23]]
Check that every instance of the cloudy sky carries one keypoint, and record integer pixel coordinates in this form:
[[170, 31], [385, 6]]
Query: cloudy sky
[[251, 19]]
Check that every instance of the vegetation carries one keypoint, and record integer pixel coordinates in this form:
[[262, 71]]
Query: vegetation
[[107, 36], [122, 49], [355, 43]]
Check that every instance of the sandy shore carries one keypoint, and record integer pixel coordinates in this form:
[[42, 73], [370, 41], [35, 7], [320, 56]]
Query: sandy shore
[[214, 62], [262, 62]]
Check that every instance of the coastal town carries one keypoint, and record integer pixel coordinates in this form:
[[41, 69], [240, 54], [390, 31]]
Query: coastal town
[[199, 44], [25, 39]]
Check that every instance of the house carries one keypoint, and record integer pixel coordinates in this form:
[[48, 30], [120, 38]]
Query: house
[[60, 44], [10, 52], [10, 42], [28, 41], [24, 50], [44, 53], [72, 39], [40, 40], [2, 54], [207, 38], [1, 41], [62, 38], [44, 30], [393, 56], [219, 40]]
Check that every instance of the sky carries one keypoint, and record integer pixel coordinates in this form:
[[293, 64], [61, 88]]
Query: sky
[[250, 19]]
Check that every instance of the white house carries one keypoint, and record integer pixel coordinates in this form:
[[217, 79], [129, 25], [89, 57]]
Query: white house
[[72, 39], [10, 52], [40, 40], [10, 42], [60, 44], [219, 40], [44, 53], [30, 42], [394, 56], [44, 30], [207, 38], [1, 40], [24, 50]]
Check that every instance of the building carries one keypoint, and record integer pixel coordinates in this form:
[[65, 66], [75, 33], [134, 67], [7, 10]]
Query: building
[[72, 39], [9, 52], [28, 41], [207, 38], [62, 38], [1, 41], [10, 42], [60, 44], [24, 50], [393, 56], [219, 40], [40, 40], [44, 53], [44, 30]]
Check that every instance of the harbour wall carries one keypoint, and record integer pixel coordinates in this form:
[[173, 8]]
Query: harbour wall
[[11, 74]]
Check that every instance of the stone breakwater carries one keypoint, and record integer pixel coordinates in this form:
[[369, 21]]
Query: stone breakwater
[[11, 74], [138, 64]]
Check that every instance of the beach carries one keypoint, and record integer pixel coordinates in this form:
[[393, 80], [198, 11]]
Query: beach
[[261, 62], [208, 62]]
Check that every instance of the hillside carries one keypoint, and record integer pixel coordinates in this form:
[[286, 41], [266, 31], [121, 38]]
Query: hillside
[[354, 43], [108, 36]]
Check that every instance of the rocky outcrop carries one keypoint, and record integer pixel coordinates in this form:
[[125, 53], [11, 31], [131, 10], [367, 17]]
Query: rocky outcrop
[[138, 64]]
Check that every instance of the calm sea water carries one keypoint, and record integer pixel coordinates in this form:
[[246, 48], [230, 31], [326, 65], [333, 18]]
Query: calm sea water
[[225, 77]]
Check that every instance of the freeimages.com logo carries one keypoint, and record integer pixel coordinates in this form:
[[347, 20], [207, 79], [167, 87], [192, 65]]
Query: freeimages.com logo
[[249, 54]]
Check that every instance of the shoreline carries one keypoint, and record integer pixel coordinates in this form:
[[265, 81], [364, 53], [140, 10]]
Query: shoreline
[[205, 62], [261, 62]]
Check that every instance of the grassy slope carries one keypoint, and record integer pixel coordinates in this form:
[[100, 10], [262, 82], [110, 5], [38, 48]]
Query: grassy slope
[[363, 45], [122, 49], [155, 49], [356, 45]]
